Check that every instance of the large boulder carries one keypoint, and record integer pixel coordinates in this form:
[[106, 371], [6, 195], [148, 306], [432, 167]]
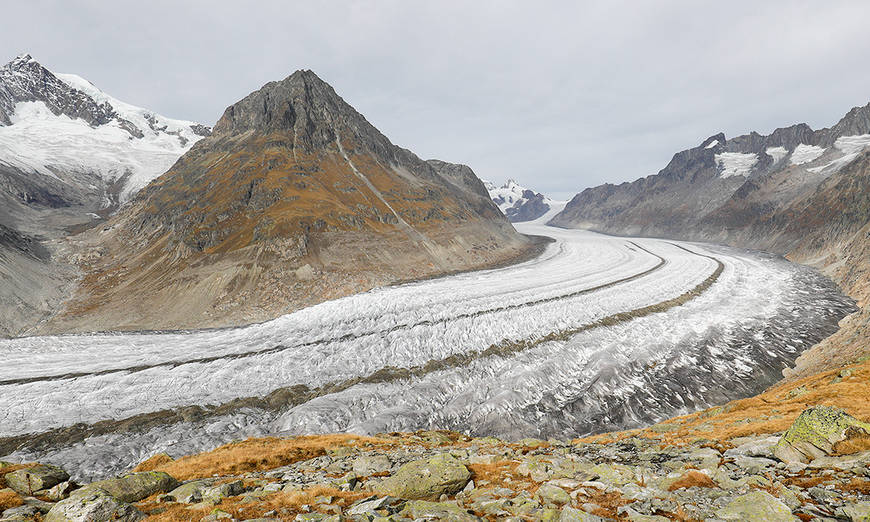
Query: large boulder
[[93, 505], [427, 479], [858, 512], [133, 487], [29, 480], [191, 492], [757, 505], [446, 511], [815, 432]]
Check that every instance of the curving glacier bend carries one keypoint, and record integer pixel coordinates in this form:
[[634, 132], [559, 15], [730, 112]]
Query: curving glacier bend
[[598, 333]]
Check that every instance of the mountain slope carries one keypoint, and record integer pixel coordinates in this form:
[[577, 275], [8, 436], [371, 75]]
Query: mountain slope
[[718, 189], [797, 192], [69, 156], [294, 199]]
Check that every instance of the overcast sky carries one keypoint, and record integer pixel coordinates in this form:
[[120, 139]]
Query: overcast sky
[[558, 95]]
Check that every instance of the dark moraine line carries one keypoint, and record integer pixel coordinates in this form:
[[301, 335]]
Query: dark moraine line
[[275, 349], [299, 394]]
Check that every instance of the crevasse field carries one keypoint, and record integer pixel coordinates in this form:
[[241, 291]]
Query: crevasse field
[[598, 333]]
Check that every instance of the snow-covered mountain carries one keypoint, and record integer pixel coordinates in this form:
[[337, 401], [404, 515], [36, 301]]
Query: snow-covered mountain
[[518, 203], [70, 139], [70, 155], [728, 190]]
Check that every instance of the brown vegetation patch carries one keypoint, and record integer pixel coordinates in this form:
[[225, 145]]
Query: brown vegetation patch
[[772, 411], [852, 444], [693, 479], [805, 480], [262, 454], [9, 499], [497, 474], [609, 503], [856, 485], [154, 462], [288, 505]]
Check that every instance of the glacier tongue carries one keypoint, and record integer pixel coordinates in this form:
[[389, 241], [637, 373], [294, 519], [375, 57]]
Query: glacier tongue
[[596, 334]]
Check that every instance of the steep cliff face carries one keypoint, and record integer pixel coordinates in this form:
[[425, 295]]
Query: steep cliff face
[[797, 192], [294, 199]]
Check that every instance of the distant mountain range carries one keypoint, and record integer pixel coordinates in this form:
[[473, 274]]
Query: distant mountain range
[[520, 204], [294, 198], [799, 192]]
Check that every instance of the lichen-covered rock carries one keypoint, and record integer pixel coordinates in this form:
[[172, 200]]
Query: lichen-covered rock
[[25, 512], [427, 479], [757, 505], [552, 495], [815, 432], [365, 465], [570, 514], [93, 505], [190, 492], [133, 487], [41, 476], [858, 512], [217, 493], [447, 511]]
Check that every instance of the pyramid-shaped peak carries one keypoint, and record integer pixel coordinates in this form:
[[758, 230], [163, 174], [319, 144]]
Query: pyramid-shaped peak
[[306, 107], [279, 105], [21, 59]]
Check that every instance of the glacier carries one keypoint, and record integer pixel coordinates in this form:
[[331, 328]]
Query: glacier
[[598, 333]]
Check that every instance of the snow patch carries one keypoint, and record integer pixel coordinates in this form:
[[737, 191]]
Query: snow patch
[[852, 144], [777, 153], [805, 154], [40, 142], [712, 144], [735, 163]]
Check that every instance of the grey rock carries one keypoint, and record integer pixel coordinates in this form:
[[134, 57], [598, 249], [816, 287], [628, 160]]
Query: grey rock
[[815, 432], [133, 487], [191, 492], [757, 505], [27, 481], [427, 479], [366, 465], [448, 511], [93, 505], [60, 491], [570, 514], [857, 512], [215, 494], [550, 494]]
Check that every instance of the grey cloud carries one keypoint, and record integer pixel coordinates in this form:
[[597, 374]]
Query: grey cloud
[[559, 95]]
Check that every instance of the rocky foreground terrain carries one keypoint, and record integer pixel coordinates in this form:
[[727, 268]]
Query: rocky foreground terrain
[[816, 470]]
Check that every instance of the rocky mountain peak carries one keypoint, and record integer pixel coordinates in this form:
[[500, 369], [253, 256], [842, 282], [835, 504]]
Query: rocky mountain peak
[[20, 60], [26, 80], [855, 122], [306, 107], [717, 140]]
